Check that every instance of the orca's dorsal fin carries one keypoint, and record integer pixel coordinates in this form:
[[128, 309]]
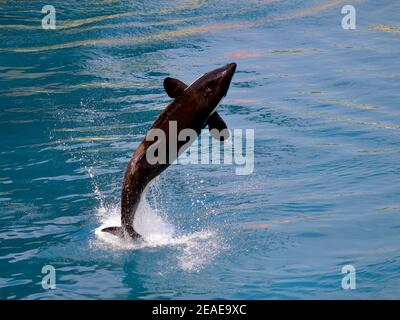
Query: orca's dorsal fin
[[174, 87], [221, 131]]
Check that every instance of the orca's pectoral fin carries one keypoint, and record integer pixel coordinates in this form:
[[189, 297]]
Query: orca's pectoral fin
[[174, 87], [217, 127], [116, 231]]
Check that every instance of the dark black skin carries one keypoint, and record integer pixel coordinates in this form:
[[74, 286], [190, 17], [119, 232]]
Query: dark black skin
[[192, 108]]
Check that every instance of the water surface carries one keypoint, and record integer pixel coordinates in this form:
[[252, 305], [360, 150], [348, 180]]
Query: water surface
[[324, 103]]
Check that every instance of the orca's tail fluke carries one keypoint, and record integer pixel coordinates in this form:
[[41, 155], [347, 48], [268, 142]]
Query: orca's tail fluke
[[119, 232], [116, 231]]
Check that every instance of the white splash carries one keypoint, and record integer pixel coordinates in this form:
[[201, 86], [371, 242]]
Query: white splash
[[195, 250]]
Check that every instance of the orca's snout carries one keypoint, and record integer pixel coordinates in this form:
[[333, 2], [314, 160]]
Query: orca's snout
[[231, 67], [229, 71]]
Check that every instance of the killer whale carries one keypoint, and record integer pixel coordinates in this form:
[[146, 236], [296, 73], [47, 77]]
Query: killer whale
[[193, 108]]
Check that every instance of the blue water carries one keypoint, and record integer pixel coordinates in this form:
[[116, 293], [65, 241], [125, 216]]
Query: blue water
[[324, 103]]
